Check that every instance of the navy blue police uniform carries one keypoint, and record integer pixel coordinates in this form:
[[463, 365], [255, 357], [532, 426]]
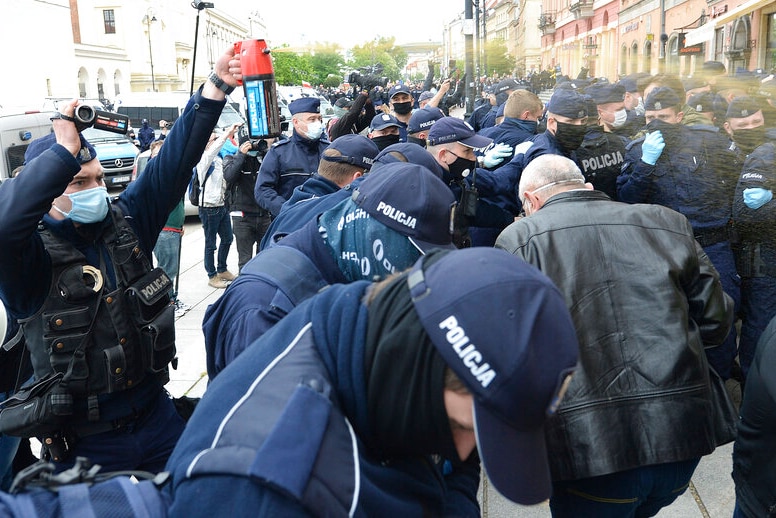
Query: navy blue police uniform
[[288, 163], [103, 344], [694, 176], [754, 216]]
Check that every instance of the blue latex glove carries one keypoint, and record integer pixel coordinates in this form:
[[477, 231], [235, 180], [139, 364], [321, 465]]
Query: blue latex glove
[[495, 155], [652, 147], [756, 197]]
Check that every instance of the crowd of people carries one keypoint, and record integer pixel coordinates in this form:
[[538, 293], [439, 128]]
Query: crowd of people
[[548, 293]]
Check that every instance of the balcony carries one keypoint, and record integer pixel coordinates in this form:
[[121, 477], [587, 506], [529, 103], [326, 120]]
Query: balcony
[[547, 23], [582, 9]]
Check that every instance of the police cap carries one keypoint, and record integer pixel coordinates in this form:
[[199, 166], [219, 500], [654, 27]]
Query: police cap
[[568, 103], [305, 105], [661, 98]]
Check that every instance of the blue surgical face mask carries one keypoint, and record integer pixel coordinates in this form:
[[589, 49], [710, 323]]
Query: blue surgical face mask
[[88, 206]]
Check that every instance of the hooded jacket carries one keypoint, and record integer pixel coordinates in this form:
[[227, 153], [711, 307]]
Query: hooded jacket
[[645, 301]]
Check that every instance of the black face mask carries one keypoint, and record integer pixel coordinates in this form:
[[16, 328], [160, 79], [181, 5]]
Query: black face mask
[[460, 166], [749, 139], [669, 131], [419, 141], [384, 141], [570, 136], [402, 108]]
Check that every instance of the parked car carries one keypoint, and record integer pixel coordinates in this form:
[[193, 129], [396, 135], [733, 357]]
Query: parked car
[[116, 153], [140, 165]]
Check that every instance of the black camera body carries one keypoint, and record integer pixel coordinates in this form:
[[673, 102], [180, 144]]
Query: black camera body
[[260, 146], [368, 78], [87, 116]]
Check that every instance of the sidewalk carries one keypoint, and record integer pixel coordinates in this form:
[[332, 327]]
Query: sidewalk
[[711, 493]]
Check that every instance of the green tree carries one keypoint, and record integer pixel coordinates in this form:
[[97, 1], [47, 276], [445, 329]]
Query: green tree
[[327, 62], [498, 59], [291, 68], [381, 51]]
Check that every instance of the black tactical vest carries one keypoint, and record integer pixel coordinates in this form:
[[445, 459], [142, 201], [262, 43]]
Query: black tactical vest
[[102, 340]]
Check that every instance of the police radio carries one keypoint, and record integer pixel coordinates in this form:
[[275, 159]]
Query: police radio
[[258, 80]]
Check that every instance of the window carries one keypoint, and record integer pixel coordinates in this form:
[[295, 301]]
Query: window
[[719, 45], [109, 20], [770, 53]]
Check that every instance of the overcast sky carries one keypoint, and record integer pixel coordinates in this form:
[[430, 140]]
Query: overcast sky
[[354, 23]]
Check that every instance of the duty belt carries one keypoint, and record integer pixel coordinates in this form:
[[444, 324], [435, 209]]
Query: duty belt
[[750, 263], [711, 236]]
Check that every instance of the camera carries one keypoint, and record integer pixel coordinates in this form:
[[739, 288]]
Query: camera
[[87, 116], [259, 145], [369, 77]]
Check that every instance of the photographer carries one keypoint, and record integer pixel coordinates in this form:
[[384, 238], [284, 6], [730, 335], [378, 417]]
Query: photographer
[[249, 221], [164, 128], [76, 276], [357, 118]]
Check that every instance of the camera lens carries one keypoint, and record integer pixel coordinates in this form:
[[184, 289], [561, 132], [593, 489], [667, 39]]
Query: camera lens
[[84, 113]]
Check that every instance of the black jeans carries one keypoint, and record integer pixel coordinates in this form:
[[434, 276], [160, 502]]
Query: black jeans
[[248, 231]]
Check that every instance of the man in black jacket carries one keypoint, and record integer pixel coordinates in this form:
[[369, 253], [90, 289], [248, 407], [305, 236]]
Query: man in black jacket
[[646, 301], [249, 221], [754, 453]]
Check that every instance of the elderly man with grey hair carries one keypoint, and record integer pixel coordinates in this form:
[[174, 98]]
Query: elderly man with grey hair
[[641, 410]]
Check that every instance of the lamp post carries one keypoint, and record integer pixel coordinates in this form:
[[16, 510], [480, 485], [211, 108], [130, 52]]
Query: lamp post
[[199, 6], [468, 32], [149, 17]]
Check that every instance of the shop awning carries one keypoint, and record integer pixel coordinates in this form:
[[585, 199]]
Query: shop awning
[[706, 31]]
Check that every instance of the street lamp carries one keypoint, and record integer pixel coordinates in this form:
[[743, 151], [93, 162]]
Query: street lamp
[[199, 6], [149, 17]]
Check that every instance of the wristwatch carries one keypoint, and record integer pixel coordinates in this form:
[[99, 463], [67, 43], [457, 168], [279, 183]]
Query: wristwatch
[[220, 84]]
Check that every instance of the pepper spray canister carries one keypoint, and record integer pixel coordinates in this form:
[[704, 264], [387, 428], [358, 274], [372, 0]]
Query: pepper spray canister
[[261, 97]]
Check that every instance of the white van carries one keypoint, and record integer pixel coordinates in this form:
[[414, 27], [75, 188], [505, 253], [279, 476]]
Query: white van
[[16, 133]]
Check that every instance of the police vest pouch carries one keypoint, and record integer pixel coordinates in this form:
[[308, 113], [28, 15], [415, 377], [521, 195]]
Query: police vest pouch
[[158, 340], [149, 295], [37, 409], [62, 349], [56, 321]]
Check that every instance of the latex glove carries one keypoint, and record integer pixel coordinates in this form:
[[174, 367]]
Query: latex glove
[[495, 155], [652, 147], [756, 197]]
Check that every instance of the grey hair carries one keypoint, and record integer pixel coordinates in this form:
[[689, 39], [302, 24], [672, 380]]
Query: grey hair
[[550, 169]]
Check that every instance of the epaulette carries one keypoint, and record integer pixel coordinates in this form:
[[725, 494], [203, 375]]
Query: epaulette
[[281, 142]]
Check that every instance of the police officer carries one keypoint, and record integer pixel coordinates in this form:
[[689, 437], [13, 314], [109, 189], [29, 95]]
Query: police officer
[[453, 142], [241, 171], [602, 152], [375, 232], [76, 278], [421, 122], [745, 125], [345, 407], [385, 130], [482, 107], [690, 170], [754, 215], [346, 159], [522, 111], [566, 127], [502, 91], [401, 102], [290, 162], [711, 106]]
